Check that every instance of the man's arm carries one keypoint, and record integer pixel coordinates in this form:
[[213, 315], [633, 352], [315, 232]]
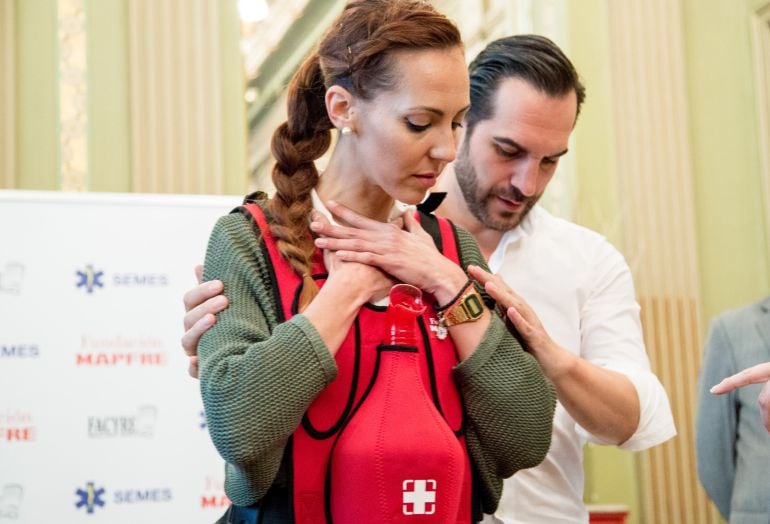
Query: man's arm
[[716, 422], [201, 304], [603, 402]]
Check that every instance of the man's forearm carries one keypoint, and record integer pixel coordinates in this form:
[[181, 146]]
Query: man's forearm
[[603, 402]]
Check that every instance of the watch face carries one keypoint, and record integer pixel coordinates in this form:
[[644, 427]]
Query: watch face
[[468, 308], [473, 305]]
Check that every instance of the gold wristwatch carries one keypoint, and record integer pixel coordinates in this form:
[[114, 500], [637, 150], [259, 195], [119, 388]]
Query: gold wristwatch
[[467, 307]]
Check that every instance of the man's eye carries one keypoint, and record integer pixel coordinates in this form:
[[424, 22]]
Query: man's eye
[[505, 153]]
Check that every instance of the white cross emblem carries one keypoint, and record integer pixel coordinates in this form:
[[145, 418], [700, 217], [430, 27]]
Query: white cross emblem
[[419, 497], [437, 328]]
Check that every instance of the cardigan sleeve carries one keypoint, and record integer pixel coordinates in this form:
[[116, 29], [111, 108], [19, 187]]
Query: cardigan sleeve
[[257, 377], [508, 401]]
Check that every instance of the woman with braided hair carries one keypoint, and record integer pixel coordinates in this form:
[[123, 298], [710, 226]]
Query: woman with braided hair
[[318, 416]]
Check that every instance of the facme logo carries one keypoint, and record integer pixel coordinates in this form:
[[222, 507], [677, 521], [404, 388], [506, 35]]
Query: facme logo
[[11, 278], [20, 351], [202, 422], [17, 426], [214, 494], [89, 278], [419, 497], [142, 424], [120, 351], [90, 497], [10, 501]]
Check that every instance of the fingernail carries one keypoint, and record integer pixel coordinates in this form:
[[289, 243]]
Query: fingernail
[[713, 389], [214, 285], [315, 226]]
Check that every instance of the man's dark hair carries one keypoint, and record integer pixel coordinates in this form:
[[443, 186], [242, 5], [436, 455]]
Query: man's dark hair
[[532, 58]]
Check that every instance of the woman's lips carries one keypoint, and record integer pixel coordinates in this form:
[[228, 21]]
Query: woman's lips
[[426, 179]]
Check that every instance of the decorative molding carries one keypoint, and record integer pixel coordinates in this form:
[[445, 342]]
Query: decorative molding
[[73, 134], [176, 96], [656, 188], [7, 95]]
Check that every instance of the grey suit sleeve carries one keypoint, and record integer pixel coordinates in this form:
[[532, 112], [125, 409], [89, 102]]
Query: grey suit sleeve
[[716, 421]]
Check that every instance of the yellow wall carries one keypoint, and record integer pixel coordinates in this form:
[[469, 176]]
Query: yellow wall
[[726, 181], [111, 153], [732, 234], [37, 130]]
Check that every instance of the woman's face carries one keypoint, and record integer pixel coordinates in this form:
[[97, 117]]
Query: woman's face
[[405, 136]]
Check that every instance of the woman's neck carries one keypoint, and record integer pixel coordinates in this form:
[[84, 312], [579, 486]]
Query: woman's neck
[[342, 183]]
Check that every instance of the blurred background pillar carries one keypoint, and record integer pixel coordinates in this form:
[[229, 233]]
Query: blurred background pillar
[[7, 95]]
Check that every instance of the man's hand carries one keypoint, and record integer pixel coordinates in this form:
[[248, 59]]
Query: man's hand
[[753, 375], [552, 358], [201, 303], [602, 401]]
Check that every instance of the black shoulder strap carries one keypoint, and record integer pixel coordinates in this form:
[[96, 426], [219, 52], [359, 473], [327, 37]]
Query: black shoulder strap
[[429, 223]]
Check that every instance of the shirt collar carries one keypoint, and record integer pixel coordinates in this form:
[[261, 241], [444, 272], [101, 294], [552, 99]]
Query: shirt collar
[[512, 236]]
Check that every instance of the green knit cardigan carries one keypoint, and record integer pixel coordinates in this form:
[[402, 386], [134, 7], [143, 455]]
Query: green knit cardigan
[[257, 377]]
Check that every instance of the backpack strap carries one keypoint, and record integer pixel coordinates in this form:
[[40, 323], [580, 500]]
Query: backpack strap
[[443, 233]]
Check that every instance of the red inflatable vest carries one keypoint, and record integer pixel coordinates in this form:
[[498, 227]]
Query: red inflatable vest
[[383, 442]]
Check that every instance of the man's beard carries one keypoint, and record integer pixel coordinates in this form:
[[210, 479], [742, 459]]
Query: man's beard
[[478, 203]]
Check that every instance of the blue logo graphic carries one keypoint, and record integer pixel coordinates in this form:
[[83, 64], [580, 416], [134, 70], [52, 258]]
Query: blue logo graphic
[[90, 497], [89, 278], [203, 423]]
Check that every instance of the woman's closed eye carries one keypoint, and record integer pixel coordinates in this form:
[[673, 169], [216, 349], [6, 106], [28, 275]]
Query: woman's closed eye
[[416, 127]]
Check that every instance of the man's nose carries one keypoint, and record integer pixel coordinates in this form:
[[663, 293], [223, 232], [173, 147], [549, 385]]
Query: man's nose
[[525, 176]]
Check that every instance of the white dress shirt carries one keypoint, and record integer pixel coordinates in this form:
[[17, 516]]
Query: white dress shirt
[[581, 288]]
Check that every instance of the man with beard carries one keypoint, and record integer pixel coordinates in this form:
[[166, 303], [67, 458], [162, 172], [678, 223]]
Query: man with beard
[[567, 291]]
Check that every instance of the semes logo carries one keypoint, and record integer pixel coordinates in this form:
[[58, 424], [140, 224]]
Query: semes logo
[[90, 497], [90, 279], [10, 501], [140, 425], [139, 496], [11, 277], [17, 426], [21, 351]]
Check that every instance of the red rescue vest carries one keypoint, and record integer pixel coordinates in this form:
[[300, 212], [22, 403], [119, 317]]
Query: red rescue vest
[[384, 441]]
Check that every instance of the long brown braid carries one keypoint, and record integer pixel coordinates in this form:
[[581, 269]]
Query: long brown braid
[[355, 53]]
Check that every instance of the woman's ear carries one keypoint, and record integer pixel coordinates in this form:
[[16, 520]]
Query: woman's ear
[[341, 107]]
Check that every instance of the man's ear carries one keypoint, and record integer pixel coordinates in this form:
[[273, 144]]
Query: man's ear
[[341, 107]]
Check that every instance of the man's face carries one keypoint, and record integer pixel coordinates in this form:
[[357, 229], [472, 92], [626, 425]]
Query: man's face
[[504, 166]]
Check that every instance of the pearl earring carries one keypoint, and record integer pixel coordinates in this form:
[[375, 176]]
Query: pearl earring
[[346, 130]]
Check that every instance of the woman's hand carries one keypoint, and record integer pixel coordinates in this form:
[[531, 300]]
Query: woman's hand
[[374, 282], [406, 253]]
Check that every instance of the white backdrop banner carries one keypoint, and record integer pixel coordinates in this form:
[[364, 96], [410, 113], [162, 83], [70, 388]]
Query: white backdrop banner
[[99, 420]]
